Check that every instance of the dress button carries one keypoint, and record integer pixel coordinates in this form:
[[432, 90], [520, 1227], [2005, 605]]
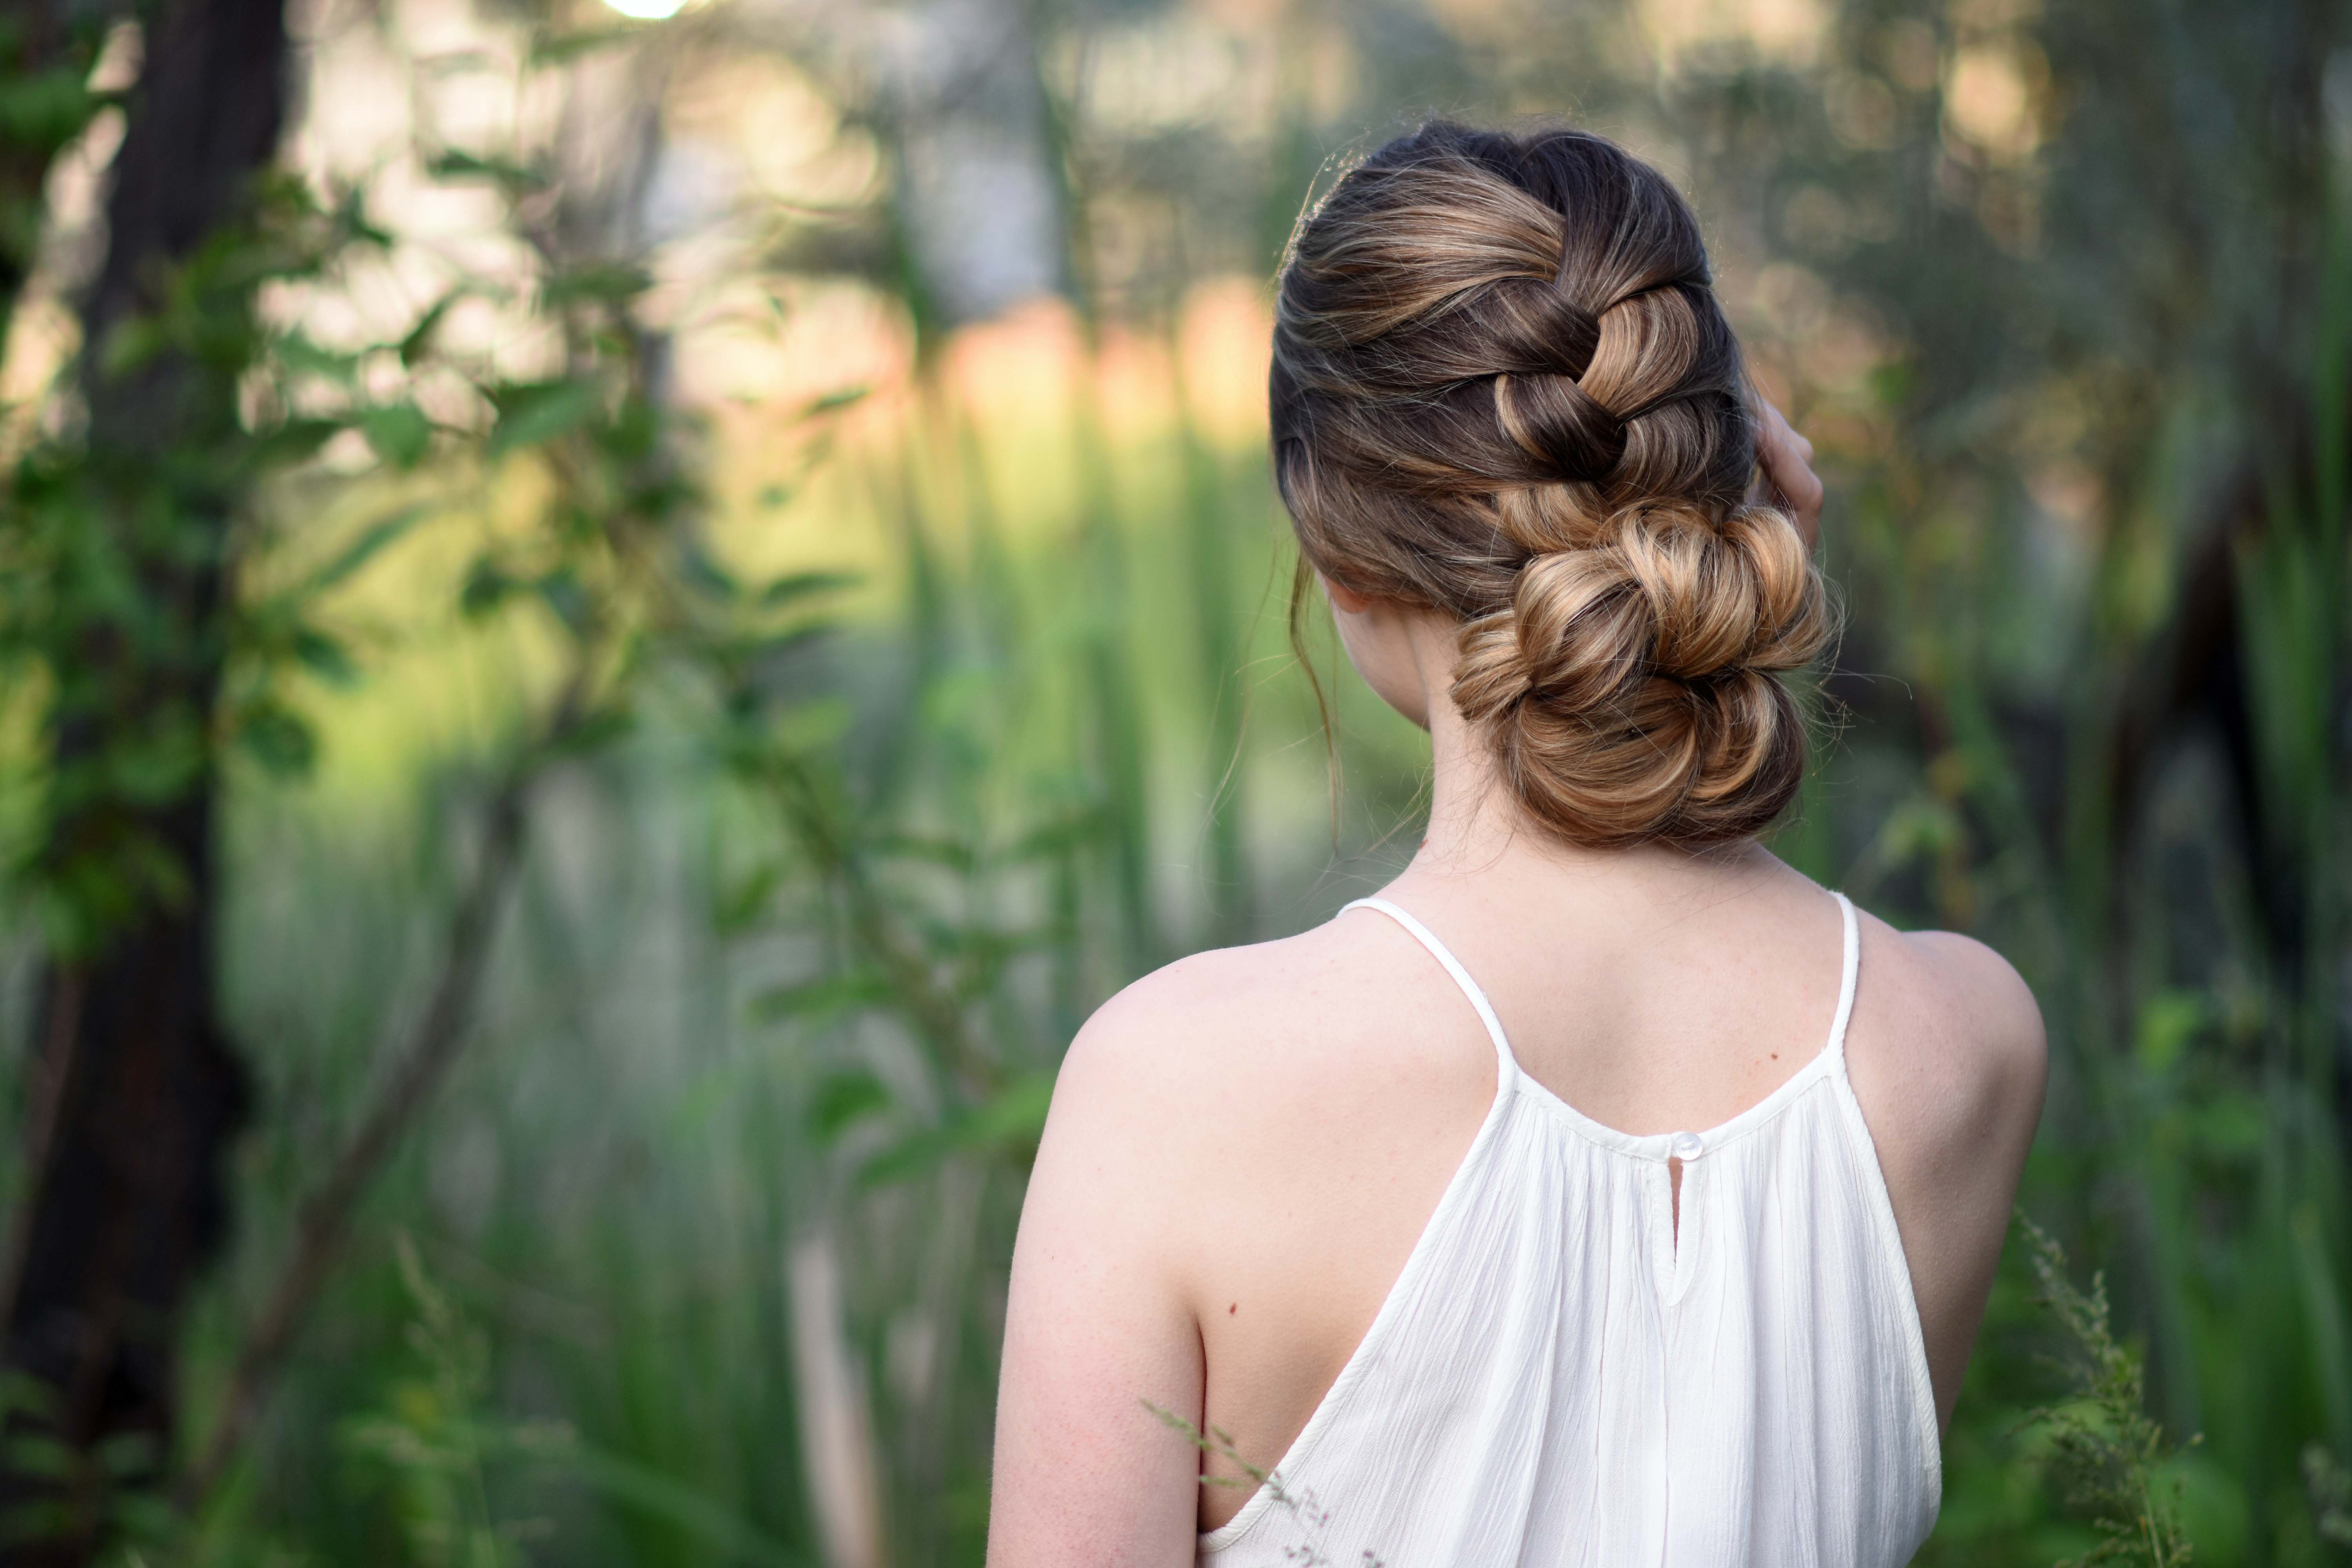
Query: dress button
[[1686, 1146]]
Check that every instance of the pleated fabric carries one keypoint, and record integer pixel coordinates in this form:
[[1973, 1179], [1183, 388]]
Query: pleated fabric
[[1554, 1379]]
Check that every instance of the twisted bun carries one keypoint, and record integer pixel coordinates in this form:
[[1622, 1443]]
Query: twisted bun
[[1629, 687], [1502, 387]]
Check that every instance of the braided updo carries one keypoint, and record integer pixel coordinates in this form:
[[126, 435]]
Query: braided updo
[[1502, 388]]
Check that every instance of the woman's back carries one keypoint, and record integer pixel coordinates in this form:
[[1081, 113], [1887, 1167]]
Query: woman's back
[[1312, 1187], [1273, 1128]]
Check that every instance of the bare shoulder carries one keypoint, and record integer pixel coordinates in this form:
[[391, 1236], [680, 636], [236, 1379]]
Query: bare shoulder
[[1200, 1037], [1274, 1030], [1950, 1025], [1149, 1077], [1276, 1068]]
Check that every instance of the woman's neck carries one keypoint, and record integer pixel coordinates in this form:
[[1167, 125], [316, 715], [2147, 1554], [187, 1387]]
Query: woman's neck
[[1480, 837]]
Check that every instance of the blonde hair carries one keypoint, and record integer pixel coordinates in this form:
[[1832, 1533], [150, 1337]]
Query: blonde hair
[[1502, 388]]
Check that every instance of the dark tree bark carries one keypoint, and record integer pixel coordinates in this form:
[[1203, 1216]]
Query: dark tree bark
[[136, 1092]]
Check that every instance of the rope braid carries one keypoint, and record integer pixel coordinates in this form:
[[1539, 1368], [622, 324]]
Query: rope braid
[[1502, 387]]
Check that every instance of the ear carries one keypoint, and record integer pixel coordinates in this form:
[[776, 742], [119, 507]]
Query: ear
[[1343, 597]]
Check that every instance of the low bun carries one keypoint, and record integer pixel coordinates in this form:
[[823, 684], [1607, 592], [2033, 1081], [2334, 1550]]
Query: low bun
[[1503, 388], [1631, 685]]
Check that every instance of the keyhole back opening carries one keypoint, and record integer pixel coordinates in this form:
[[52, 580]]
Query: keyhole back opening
[[1674, 1198]]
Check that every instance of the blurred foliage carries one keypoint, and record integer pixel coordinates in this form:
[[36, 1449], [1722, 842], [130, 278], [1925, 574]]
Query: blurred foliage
[[78, 534], [844, 758]]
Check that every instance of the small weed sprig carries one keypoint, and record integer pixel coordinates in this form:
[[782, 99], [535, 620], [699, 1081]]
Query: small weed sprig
[[436, 1438], [2108, 1450], [1218, 1442]]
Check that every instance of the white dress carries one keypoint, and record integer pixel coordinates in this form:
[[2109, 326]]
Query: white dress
[[1556, 1378]]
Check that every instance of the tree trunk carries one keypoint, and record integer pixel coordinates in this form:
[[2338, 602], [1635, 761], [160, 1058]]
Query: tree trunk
[[136, 1092]]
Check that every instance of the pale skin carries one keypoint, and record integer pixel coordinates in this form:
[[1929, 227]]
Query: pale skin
[[1245, 1147]]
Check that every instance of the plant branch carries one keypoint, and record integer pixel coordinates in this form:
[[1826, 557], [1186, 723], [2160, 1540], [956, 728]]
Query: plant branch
[[440, 1034]]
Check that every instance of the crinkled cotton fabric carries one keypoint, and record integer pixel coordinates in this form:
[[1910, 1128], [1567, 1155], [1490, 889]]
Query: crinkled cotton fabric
[[1558, 1378]]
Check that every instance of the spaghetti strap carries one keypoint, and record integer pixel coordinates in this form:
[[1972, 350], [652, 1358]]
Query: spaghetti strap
[[1507, 1065], [1853, 970]]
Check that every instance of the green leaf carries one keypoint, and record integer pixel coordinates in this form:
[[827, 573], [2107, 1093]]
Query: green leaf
[[294, 441], [280, 738], [41, 112], [843, 1099], [534, 413], [909, 1158], [21, 1390], [1017, 1113], [833, 402], [742, 905], [353, 221], [325, 658], [363, 549], [399, 432], [420, 337], [614, 283], [1009, 1122], [488, 586], [598, 730], [127, 1454], [142, 1516], [37, 1454], [296, 351], [559, 47], [561, 590], [157, 761], [2168, 1025], [818, 1001], [456, 164], [1058, 835], [131, 342], [800, 585], [697, 566], [937, 849]]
